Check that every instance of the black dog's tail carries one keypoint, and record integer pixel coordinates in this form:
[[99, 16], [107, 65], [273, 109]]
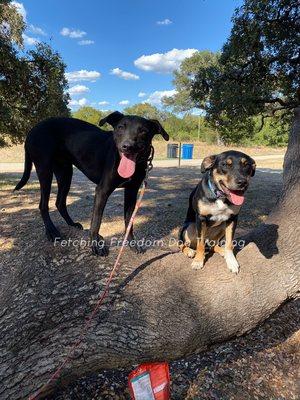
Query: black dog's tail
[[26, 173]]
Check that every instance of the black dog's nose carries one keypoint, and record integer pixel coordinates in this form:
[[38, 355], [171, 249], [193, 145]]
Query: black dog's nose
[[126, 146]]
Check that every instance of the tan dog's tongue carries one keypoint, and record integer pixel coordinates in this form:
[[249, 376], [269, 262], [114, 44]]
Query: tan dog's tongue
[[237, 198], [126, 167]]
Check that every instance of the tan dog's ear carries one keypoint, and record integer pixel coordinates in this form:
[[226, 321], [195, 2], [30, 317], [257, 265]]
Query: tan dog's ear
[[159, 129], [208, 163], [112, 119]]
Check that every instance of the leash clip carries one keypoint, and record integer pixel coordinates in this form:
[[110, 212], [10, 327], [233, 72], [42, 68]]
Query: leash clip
[[149, 166]]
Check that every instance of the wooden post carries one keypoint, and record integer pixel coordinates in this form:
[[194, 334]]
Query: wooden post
[[179, 155]]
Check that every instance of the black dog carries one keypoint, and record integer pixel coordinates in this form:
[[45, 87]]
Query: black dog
[[109, 159], [214, 206]]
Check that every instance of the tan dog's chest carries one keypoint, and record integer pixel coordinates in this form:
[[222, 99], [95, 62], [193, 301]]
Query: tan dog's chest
[[218, 211]]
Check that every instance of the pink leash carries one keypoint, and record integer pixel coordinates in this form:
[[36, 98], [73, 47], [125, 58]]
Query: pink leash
[[88, 322]]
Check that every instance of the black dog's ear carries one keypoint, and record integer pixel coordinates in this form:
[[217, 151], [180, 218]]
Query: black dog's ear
[[208, 163], [112, 119], [159, 129]]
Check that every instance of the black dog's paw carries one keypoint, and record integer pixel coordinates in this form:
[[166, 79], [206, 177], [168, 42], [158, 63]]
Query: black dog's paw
[[53, 234], [77, 225], [101, 251], [99, 248], [137, 249]]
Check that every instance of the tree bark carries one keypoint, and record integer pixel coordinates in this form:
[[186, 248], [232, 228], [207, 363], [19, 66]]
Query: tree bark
[[158, 310]]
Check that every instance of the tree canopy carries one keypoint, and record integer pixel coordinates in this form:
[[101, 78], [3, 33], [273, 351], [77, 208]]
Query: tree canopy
[[89, 114], [183, 80], [32, 84], [258, 69], [147, 111], [186, 127]]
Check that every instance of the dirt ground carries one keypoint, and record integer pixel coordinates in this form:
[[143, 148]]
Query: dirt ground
[[261, 365]]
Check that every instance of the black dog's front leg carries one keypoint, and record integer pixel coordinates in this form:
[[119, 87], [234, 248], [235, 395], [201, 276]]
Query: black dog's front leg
[[98, 244], [130, 196]]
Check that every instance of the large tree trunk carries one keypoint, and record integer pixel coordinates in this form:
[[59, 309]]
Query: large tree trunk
[[160, 310]]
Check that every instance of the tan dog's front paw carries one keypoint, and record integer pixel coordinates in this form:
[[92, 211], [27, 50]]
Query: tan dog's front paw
[[191, 253], [187, 251], [231, 262], [197, 264]]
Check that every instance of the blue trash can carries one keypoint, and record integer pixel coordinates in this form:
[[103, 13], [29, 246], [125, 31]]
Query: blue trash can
[[187, 151]]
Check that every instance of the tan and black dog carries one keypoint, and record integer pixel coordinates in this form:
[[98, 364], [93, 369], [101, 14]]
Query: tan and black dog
[[214, 206]]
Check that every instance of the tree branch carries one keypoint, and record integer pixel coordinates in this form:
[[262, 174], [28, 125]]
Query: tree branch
[[285, 104]]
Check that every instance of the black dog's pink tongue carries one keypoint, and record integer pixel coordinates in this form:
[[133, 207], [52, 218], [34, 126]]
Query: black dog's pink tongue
[[237, 197], [127, 166]]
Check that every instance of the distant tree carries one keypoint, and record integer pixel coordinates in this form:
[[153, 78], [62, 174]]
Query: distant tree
[[184, 78], [146, 110], [258, 70], [274, 132], [176, 128], [32, 85], [90, 114]]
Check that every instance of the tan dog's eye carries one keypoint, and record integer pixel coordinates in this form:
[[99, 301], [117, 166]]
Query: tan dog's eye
[[244, 162], [223, 165]]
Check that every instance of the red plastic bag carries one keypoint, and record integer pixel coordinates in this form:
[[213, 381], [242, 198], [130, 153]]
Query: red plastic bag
[[150, 381]]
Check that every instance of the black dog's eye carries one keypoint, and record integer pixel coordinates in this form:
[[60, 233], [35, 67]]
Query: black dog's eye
[[121, 127], [143, 132], [224, 164]]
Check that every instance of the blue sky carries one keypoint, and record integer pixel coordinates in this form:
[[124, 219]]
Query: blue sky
[[126, 50]]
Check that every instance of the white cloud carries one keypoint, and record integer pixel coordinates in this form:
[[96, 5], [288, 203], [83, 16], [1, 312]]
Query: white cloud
[[142, 94], [103, 103], [72, 33], [36, 30], [163, 62], [85, 42], [123, 74], [5, 28], [124, 102], [82, 75], [20, 8], [78, 103], [155, 98], [29, 41], [78, 89], [166, 21]]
